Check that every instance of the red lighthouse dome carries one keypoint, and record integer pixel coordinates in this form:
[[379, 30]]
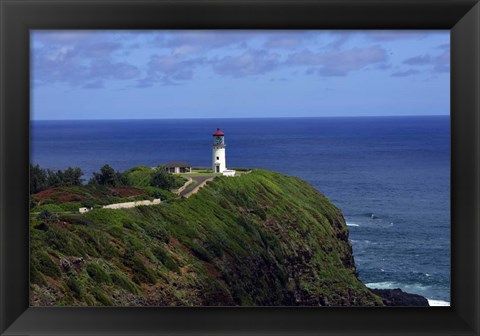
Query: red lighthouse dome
[[218, 133]]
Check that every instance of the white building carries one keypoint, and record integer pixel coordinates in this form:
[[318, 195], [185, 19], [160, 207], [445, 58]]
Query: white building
[[178, 167], [228, 172], [219, 164]]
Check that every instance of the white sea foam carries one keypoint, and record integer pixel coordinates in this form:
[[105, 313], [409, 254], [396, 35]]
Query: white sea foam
[[409, 288], [438, 303], [352, 224], [382, 285]]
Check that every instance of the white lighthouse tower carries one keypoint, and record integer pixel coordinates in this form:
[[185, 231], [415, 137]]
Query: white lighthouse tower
[[219, 164]]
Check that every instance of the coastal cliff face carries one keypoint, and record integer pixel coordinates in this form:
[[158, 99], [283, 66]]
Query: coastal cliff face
[[258, 239]]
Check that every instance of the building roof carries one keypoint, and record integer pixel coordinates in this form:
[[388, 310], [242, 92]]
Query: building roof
[[218, 133], [177, 164]]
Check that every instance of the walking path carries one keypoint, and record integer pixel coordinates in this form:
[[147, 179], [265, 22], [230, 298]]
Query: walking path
[[182, 188], [198, 182]]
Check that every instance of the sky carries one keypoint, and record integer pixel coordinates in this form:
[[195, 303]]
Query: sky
[[78, 75]]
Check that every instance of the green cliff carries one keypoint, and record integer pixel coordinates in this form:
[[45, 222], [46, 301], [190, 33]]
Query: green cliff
[[257, 239]]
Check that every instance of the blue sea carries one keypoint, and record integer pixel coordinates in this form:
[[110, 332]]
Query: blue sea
[[389, 175]]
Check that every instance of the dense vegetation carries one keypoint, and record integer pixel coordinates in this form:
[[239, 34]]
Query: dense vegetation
[[63, 191], [42, 179], [257, 239]]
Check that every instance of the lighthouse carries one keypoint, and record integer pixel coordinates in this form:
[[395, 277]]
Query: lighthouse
[[219, 164]]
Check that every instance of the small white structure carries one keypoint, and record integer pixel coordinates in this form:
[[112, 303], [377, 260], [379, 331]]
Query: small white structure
[[83, 210], [228, 172], [219, 163]]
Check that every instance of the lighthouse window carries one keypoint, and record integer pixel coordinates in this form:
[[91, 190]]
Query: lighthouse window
[[218, 158]]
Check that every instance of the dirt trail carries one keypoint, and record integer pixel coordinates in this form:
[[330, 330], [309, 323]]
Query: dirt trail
[[199, 182]]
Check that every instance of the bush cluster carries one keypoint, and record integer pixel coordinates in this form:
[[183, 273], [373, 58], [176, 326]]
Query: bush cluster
[[41, 179]]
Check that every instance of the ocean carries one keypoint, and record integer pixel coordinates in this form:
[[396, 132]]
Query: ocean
[[390, 176]]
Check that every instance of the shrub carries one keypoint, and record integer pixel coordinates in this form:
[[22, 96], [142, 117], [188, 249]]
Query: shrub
[[158, 232], [47, 216], [141, 273], [124, 282], [163, 180], [159, 193], [71, 206], [88, 202], [100, 296], [98, 241], [46, 265], [75, 287], [76, 219], [36, 277], [97, 273], [200, 252], [48, 201], [165, 258], [67, 243], [139, 176]]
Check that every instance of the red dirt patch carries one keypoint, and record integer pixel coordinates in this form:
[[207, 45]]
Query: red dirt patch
[[79, 194], [126, 192], [44, 194], [58, 195], [67, 197]]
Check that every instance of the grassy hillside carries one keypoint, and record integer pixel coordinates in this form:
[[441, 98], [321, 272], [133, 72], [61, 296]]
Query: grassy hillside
[[257, 239]]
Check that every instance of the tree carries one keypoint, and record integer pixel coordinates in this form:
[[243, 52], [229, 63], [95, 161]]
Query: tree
[[72, 176], [121, 179], [41, 179], [105, 177], [38, 179], [54, 178], [161, 179]]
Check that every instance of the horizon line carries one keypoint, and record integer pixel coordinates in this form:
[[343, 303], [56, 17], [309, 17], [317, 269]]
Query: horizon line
[[233, 118]]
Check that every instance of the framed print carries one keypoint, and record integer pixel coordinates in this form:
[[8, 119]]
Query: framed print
[[227, 167]]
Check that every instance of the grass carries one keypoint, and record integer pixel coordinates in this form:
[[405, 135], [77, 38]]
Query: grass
[[259, 239]]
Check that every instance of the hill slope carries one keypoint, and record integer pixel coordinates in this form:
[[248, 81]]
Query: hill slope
[[257, 239]]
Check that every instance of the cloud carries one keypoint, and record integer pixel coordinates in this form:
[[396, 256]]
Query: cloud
[[444, 46], [418, 60], [80, 59], [442, 62], [405, 73], [169, 70], [340, 37], [393, 35], [56, 37], [285, 39], [112, 70], [94, 85], [338, 63], [88, 59], [249, 63], [190, 42], [438, 63]]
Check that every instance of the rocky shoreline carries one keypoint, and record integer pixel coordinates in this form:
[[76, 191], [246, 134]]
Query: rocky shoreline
[[398, 298]]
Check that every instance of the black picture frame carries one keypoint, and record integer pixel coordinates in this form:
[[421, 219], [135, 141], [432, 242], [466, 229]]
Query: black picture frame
[[17, 17]]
